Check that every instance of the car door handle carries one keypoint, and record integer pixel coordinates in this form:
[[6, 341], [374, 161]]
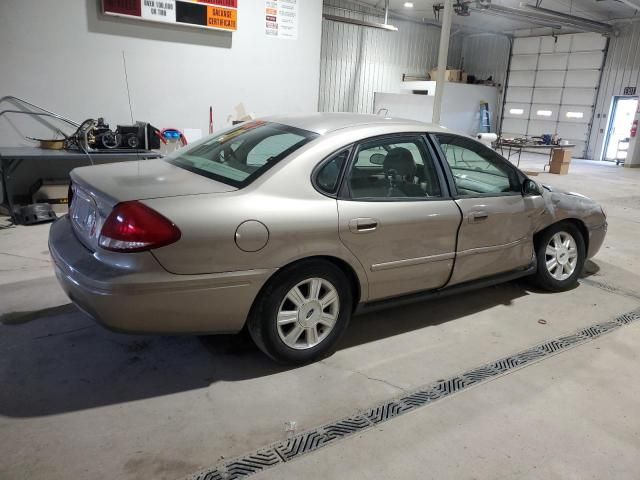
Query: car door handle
[[363, 225], [477, 217]]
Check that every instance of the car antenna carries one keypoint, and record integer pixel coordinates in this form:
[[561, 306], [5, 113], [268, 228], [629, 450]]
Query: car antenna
[[126, 81]]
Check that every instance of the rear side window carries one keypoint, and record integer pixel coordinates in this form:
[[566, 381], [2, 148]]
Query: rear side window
[[239, 156], [393, 169], [329, 175]]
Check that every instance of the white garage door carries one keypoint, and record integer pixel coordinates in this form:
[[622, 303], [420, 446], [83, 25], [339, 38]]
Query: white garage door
[[552, 87]]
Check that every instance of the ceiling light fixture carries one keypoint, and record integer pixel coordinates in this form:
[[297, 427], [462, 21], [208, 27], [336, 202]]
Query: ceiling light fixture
[[408, 4]]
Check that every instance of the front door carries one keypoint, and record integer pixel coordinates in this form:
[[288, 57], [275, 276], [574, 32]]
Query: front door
[[496, 234], [397, 217], [623, 110]]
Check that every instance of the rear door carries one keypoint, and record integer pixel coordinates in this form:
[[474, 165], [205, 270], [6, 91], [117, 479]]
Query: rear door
[[397, 217], [496, 234]]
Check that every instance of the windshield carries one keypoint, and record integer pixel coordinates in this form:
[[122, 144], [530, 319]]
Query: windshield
[[239, 156]]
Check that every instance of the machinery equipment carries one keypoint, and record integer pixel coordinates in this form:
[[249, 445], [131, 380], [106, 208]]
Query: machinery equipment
[[94, 135]]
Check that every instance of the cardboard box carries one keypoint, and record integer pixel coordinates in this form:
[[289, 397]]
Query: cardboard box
[[561, 155], [449, 75], [559, 168]]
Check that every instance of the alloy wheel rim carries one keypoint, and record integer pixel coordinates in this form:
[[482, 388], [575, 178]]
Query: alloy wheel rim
[[308, 313], [561, 256]]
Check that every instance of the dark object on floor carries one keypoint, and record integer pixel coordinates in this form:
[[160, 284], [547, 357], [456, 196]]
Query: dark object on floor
[[34, 214]]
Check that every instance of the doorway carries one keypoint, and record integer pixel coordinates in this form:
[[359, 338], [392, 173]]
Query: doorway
[[623, 110]]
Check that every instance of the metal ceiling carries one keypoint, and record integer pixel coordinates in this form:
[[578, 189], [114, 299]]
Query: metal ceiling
[[595, 10]]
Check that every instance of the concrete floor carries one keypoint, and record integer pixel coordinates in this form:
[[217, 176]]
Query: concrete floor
[[77, 401]]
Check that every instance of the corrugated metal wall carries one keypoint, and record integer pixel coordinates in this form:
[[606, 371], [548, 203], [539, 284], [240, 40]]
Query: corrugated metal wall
[[622, 69], [357, 61], [486, 55]]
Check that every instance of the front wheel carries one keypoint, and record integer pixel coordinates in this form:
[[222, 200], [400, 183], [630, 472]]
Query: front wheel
[[302, 312], [561, 255]]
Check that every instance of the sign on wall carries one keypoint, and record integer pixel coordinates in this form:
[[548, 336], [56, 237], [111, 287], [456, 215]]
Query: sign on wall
[[629, 91], [281, 18], [215, 14]]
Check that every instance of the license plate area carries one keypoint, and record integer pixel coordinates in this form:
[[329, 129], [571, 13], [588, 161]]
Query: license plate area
[[83, 213]]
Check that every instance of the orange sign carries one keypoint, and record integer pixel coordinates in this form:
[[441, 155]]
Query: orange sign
[[220, 17]]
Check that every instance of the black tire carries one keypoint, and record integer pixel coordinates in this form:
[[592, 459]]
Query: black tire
[[543, 277], [262, 321]]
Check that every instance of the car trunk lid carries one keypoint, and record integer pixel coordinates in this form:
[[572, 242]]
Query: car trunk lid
[[96, 190], [121, 182]]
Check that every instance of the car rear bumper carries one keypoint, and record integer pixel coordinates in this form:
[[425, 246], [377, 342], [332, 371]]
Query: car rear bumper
[[151, 299], [596, 239]]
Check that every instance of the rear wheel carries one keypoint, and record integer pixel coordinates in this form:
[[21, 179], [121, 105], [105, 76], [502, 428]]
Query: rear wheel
[[560, 254], [302, 312]]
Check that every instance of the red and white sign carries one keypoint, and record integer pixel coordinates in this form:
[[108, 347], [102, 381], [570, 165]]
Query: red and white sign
[[215, 14]]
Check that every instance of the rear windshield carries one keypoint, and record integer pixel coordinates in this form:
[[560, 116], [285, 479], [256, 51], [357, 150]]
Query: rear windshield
[[239, 156]]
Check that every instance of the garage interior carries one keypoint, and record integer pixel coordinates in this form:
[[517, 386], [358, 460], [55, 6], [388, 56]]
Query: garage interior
[[552, 86]]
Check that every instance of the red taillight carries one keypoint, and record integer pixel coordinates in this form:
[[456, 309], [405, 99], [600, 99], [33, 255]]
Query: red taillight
[[134, 227]]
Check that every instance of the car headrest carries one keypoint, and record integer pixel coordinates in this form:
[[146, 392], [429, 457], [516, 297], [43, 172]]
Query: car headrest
[[401, 161]]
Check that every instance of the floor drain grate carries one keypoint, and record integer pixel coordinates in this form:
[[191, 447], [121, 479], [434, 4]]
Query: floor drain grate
[[345, 427], [386, 411], [312, 440]]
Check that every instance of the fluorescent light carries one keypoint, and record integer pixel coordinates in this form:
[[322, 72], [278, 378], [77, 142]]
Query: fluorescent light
[[408, 4], [544, 113], [575, 114], [516, 111]]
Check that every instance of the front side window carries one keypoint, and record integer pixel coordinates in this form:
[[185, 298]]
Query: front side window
[[477, 170], [393, 168], [239, 156]]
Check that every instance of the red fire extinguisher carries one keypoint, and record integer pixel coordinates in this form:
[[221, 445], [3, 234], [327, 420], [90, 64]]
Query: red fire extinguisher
[[634, 128]]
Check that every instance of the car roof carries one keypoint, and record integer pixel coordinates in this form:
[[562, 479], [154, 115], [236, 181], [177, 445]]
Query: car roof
[[329, 122]]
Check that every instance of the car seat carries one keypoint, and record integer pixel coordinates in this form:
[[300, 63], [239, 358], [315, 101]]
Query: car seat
[[400, 171]]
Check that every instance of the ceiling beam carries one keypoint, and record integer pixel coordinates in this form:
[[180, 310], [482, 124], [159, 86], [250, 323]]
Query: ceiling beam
[[355, 21], [548, 18], [571, 19], [518, 16]]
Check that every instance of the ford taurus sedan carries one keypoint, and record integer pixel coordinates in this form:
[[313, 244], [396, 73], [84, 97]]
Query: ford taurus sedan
[[289, 225]]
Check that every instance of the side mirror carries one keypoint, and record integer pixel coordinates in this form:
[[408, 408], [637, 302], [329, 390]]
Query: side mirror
[[529, 188], [377, 158]]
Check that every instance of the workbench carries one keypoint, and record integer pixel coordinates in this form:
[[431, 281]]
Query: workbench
[[45, 163], [516, 148]]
